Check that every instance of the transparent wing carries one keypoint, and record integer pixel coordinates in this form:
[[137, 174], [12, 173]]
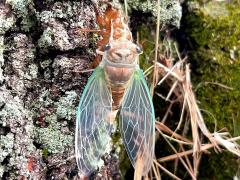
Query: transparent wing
[[93, 128], [137, 123]]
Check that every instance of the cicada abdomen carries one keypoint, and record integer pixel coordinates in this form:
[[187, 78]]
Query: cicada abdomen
[[116, 84]]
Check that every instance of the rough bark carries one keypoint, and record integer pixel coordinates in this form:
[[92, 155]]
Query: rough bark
[[40, 85]]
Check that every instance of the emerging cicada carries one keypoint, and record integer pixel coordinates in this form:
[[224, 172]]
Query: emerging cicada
[[116, 84]]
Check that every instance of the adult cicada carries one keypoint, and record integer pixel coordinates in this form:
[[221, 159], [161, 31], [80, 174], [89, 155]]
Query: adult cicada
[[117, 84]]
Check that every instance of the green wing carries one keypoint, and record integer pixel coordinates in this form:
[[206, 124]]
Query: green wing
[[137, 122], [92, 127]]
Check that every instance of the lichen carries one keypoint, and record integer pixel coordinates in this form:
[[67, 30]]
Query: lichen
[[46, 39], [1, 58], [2, 170], [66, 106], [24, 11], [6, 22], [16, 146], [170, 12], [53, 140], [56, 35], [6, 146], [56, 136]]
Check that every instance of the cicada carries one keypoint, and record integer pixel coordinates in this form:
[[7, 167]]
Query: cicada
[[117, 84]]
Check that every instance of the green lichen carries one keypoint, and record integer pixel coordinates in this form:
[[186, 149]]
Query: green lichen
[[46, 38], [51, 137], [6, 23], [10, 111], [55, 137], [170, 12], [6, 146], [66, 106], [45, 63], [53, 140], [24, 10]]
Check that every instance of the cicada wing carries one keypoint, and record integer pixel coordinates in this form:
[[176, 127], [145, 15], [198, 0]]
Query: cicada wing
[[93, 127], [137, 123]]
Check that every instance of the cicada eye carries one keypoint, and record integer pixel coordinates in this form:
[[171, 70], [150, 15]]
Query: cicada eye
[[139, 50], [106, 47]]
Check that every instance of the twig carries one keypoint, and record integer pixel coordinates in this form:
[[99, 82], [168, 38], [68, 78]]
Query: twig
[[214, 83], [169, 71], [157, 175], [182, 112], [125, 7], [156, 48], [186, 157], [171, 90], [160, 126], [188, 152], [182, 161], [165, 170], [148, 69], [178, 141]]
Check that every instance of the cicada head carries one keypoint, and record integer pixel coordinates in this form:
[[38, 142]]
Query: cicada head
[[120, 54], [122, 51], [120, 59]]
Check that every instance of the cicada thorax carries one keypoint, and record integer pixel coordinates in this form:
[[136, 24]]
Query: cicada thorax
[[120, 62], [117, 78]]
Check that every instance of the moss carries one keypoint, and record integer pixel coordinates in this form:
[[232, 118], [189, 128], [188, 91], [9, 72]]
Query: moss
[[146, 59], [45, 152], [215, 54], [219, 167], [213, 34]]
